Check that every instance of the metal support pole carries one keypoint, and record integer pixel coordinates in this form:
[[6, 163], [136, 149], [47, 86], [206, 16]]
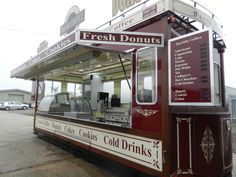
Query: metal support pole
[[36, 102]]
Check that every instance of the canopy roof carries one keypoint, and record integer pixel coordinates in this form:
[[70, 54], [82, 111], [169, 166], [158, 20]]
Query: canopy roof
[[72, 63]]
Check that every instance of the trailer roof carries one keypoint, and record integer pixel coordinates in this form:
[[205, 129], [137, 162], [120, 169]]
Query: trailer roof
[[69, 58], [188, 11]]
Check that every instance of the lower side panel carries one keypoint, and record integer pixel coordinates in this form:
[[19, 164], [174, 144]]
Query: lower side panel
[[141, 153], [203, 145]]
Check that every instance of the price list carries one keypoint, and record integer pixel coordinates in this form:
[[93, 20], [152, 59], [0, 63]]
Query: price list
[[190, 69]]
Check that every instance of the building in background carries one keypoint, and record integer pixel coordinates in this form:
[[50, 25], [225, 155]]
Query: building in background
[[15, 95], [231, 100]]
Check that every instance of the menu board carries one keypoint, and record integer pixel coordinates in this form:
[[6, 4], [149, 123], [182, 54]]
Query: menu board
[[190, 69]]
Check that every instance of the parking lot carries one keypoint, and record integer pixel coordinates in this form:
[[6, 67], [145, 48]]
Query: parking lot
[[23, 154]]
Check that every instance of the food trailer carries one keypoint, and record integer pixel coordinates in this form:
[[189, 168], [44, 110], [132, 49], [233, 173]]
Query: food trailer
[[166, 60]]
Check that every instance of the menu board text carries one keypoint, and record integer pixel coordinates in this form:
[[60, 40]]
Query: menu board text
[[190, 69]]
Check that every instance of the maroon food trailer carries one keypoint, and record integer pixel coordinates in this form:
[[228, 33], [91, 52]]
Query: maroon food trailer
[[164, 113]]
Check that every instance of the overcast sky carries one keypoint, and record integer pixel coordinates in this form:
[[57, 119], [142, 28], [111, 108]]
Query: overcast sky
[[26, 23]]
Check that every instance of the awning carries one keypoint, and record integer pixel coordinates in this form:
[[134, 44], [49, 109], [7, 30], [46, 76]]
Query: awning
[[68, 59]]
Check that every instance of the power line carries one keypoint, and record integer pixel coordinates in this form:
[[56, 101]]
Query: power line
[[22, 31]]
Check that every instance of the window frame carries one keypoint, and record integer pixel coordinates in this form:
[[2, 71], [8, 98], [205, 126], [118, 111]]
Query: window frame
[[156, 77]]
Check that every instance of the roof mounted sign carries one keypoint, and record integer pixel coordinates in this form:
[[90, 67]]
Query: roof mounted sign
[[121, 5], [121, 38], [42, 46], [73, 18]]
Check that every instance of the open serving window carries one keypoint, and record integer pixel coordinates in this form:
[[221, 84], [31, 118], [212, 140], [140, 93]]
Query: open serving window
[[98, 71]]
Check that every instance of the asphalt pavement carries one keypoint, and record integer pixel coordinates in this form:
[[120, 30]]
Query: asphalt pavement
[[23, 154], [234, 138]]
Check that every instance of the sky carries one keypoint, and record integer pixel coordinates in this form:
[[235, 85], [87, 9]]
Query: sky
[[26, 23]]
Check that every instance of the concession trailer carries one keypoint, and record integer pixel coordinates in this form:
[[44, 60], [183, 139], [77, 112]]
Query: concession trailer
[[166, 115]]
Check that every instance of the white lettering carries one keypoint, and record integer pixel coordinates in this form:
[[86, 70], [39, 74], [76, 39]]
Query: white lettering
[[122, 24], [124, 38], [98, 37], [85, 35], [145, 40], [121, 5]]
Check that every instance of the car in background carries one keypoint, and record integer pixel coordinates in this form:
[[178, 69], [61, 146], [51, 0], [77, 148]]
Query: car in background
[[13, 105]]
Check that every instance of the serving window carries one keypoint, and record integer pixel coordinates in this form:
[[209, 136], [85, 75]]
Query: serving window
[[103, 79]]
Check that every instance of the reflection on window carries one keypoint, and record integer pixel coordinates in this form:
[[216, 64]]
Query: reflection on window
[[62, 99], [217, 84], [74, 89], [87, 91], [125, 92], [81, 105], [146, 75], [109, 88], [52, 87], [148, 82]]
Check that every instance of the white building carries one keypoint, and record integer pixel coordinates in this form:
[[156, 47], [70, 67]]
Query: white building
[[15, 95]]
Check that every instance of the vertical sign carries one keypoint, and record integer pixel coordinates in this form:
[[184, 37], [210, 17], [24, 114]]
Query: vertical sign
[[190, 69], [73, 19], [42, 46]]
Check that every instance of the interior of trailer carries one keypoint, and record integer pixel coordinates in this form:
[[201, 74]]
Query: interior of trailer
[[93, 68]]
